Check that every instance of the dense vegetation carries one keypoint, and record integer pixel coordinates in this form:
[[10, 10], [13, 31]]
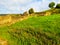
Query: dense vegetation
[[43, 30]]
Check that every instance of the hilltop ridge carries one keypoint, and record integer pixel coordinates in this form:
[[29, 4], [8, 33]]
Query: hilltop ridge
[[42, 30], [12, 18]]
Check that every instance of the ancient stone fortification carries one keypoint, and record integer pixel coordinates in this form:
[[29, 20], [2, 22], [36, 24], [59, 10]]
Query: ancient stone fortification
[[48, 13], [41, 13], [5, 19], [9, 19]]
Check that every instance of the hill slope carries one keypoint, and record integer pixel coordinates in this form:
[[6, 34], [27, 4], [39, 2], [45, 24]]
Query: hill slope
[[43, 30]]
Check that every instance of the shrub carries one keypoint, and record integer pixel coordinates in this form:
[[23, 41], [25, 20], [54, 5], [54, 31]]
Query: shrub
[[25, 13], [58, 6]]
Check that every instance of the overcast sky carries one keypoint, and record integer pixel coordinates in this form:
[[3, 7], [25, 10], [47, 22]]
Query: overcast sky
[[20, 6]]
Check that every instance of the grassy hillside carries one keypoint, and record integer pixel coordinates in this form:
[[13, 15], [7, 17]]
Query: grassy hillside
[[43, 30]]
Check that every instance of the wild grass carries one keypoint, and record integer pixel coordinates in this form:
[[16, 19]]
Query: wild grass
[[43, 30]]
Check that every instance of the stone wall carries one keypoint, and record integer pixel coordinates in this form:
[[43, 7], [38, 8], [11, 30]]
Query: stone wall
[[5, 19]]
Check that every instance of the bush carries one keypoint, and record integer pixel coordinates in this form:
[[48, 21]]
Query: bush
[[25, 13], [31, 11], [58, 6], [51, 5]]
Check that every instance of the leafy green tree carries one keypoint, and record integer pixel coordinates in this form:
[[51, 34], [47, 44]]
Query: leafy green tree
[[51, 5], [31, 10], [58, 6]]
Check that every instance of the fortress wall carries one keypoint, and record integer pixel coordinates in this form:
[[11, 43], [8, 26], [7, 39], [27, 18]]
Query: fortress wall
[[5, 19]]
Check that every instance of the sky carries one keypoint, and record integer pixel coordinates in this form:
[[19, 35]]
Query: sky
[[20, 6]]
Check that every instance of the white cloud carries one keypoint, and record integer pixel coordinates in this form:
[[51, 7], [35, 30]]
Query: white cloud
[[59, 1], [22, 1], [19, 6]]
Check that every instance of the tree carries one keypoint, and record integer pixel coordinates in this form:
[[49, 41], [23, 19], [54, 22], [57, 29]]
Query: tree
[[31, 10], [58, 6], [51, 5]]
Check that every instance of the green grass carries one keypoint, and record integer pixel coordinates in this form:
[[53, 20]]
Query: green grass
[[43, 30]]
